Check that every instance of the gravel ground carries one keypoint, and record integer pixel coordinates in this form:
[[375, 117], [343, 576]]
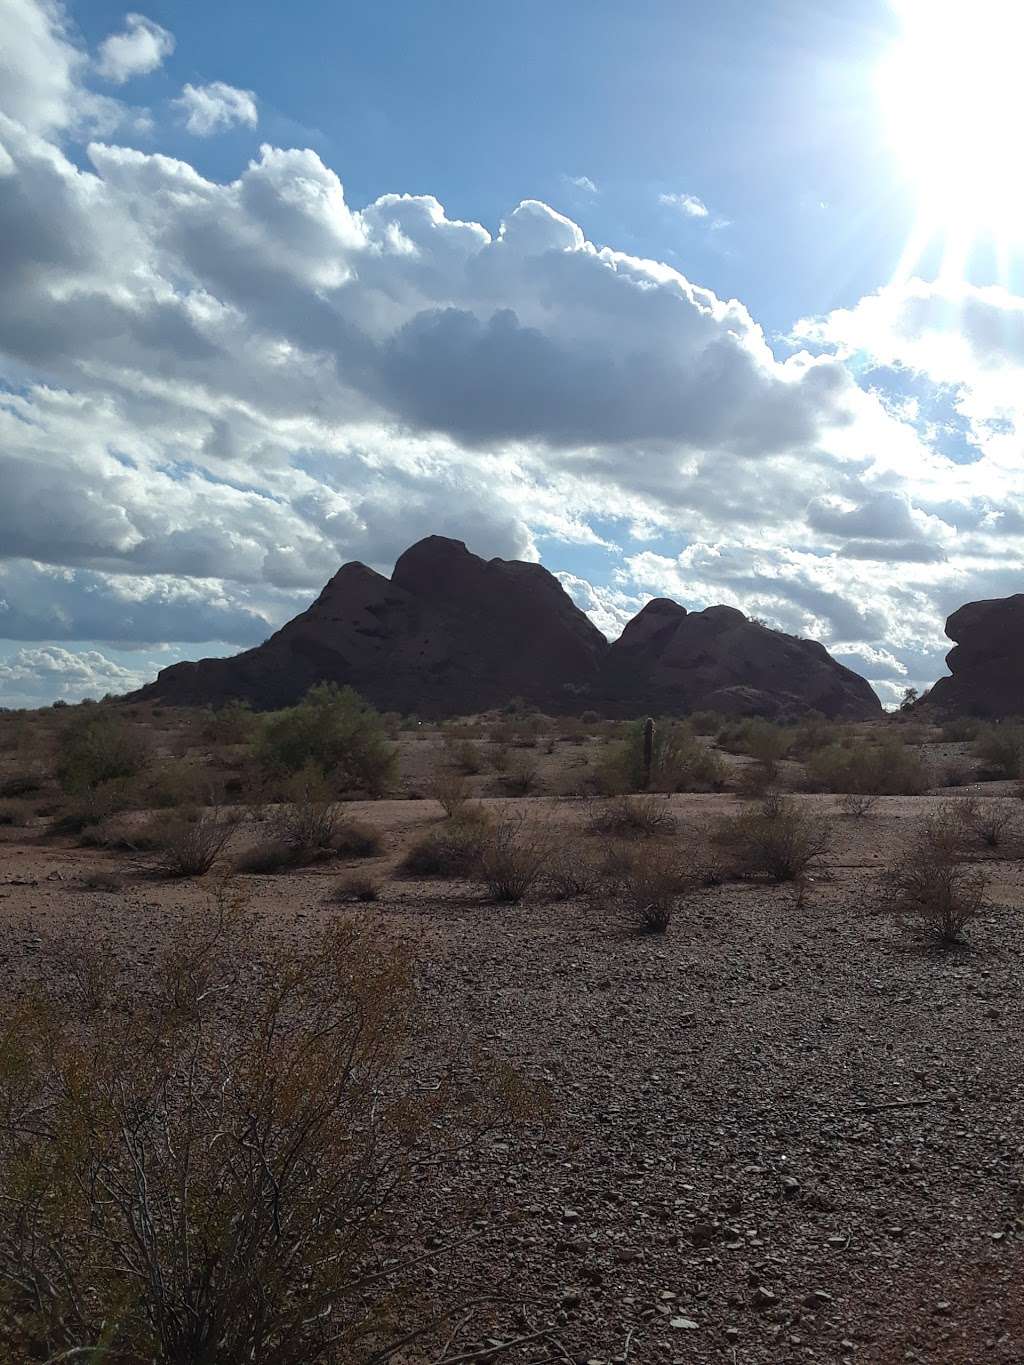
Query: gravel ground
[[785, 1131]]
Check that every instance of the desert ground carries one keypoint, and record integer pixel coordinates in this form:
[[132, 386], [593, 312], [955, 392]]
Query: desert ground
[[787, 1129]]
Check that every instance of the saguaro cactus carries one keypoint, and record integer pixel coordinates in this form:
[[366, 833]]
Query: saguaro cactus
[[648, 750]]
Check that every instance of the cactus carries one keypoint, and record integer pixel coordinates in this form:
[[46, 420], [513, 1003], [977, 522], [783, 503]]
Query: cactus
[[648, 750]]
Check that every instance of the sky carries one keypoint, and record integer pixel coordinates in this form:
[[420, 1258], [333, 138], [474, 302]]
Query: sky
[[716, 302]]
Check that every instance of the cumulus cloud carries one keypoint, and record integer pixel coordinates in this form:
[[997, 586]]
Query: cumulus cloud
[[140, 48], [209, 109], [31, 677], [687, 204], [212, 392]]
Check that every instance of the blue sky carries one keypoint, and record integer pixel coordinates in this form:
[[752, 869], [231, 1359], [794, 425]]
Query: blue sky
[[272, 305]]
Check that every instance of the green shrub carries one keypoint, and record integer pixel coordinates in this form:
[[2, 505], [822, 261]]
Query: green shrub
[[334, 730], [1001, 749], [680, 762], [961, 729], [888, 768], [232, 723], [96, 747]]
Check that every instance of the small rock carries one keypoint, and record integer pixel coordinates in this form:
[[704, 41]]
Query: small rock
[[683, 1324], [818, 1298], [764, 1298]]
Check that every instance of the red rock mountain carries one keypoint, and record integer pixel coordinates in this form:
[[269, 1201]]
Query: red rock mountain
[[717, 659], [987, 661], [449, 633]]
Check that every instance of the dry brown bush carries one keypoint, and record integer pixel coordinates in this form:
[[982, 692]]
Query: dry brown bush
[[512, 860], [930, 884], [778, 839], [633, 817], [571, 872], [992, 822], [451, 791], [522, 777], [450, 850], [858, 804], [358, 886], [649, 883], [206, 1170], [191, 847]]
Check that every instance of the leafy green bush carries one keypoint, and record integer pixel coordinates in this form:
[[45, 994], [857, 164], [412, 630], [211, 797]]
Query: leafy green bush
[[98, 746], [232, 723], [1001, 748], [680, 762], [885, 769], [336, 731]]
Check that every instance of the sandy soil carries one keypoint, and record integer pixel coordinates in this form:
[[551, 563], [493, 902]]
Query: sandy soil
[[784, 1131]]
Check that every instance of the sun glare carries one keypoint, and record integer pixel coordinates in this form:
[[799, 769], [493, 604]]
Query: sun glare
[[952, 91]]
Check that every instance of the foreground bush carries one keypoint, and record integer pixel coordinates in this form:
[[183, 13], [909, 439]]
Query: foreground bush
[[98, 747], [205, 1171], [930, 884], [513, 858], [633, 817], [651, 886], [778, 839], [193, 842], [334, 731], [886, 769]]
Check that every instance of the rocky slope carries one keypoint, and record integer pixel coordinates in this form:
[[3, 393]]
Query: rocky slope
[[450, 633], [987, 661]]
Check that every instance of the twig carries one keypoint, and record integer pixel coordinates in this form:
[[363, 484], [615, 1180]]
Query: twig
[[492, 1350], [625, 1349]]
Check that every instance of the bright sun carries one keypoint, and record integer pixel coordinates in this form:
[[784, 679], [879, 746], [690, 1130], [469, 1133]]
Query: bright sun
[[953, 95]]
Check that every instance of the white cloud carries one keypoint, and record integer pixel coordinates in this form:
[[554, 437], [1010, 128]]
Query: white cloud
[[687, 204], [581, 182], [139, 49], [32, 677], [209, 109]]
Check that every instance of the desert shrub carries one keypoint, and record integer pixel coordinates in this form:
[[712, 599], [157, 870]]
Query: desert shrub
[[207, 1169], [778, 839], [590, 718], [450, 850], [190, 847], [929, 883], [98, 747], [451, 791], [522, 777], [308, 827], [499, 756], [464, 754], [961, 729], [102, 881], [512, 860], [334, 730], [991, 822], [178, 783], [706, 722], [1001, 749], [357, 887], [651, 887], [93, 806], [858, 804], [357, 839], [814, 731], [20, 784], [232, 723], [269, 855], [14, 813], [633, 817], [570, 872], [886, 769], [679, 762]]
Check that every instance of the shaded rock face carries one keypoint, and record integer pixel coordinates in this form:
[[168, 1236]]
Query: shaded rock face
[[449, 633], [668, 659], [987, 661]]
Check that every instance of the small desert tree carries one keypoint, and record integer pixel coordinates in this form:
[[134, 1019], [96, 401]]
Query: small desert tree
[[335, 730]]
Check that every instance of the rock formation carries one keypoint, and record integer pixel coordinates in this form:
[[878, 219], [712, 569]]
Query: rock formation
[[987, 661], [669, 660], [449, 633]]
